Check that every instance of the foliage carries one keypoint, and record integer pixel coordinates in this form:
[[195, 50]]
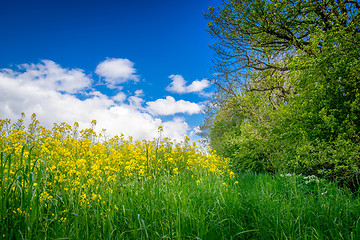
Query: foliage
[[69, 184], [290, 69]]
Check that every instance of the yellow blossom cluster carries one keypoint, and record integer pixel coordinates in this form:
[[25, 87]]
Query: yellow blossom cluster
[[82, 161]]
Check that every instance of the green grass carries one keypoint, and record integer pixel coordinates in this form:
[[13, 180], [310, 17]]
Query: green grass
[[204, 206], [258, 207]]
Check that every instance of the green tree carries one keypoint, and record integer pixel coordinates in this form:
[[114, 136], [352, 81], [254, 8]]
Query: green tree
[[290, 70]]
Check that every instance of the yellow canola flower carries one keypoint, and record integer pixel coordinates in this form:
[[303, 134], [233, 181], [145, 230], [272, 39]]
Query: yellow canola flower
[[78, 160]]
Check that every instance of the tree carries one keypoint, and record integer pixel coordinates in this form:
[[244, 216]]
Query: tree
[[264, 36], [291, 70]]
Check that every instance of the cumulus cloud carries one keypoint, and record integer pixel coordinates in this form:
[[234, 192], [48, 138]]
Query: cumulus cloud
[[48, 90], [195, 132], [47, 74], [178, 85], [116, 71], [177, 128], [120, 97], [169, 106]]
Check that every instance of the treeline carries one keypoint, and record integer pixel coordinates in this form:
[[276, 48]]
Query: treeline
[[288, 87]]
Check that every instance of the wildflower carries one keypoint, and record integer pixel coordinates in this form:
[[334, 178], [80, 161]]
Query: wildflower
[[93, 196]]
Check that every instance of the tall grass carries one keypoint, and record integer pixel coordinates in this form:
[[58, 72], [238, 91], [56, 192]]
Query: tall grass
[[60, 185]]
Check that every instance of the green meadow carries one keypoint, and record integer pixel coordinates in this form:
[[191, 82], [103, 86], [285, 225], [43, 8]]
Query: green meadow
[[61, 184]]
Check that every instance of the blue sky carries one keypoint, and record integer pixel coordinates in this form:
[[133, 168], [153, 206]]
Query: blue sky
[[131, 65]]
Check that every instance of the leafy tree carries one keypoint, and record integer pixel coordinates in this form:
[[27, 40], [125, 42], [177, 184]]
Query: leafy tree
[[289, 71]]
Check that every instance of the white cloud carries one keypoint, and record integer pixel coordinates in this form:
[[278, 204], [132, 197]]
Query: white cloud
[[116, 71], [176, 129], [120, 97], [47, 90], [194, 132], [197, 129], [139, 93], [136, 102], [169, 106], [178, 85], [50, 75], [198, 86]]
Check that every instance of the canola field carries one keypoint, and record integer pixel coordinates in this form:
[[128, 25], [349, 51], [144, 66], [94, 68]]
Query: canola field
[[63, 182], [66, 183]]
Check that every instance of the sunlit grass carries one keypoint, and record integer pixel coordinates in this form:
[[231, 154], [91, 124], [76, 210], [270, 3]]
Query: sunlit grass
[[65, 184]]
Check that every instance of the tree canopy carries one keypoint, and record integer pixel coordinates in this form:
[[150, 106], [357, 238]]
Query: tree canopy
[[288, 78]]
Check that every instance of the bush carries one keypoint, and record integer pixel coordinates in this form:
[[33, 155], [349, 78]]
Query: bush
[[337, 161]]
